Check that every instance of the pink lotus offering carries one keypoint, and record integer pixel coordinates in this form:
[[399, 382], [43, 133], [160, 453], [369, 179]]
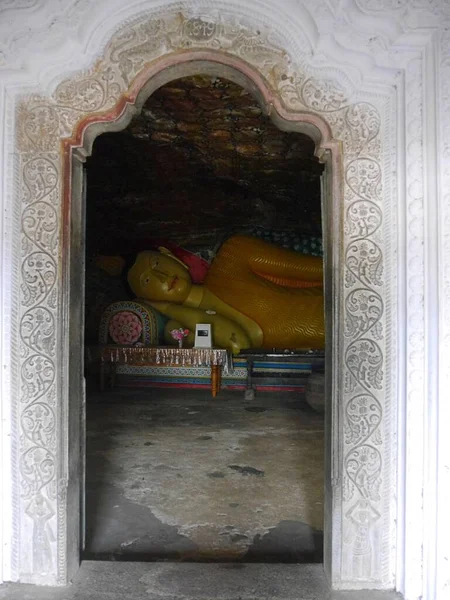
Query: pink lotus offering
[[179, 334]]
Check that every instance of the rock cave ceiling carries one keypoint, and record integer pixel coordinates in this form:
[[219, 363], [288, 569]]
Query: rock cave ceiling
[[200, 162]]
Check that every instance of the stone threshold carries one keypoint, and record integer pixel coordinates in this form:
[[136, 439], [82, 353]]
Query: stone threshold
[[100, 580]]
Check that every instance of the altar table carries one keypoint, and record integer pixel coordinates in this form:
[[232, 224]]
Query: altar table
[[217, 358]]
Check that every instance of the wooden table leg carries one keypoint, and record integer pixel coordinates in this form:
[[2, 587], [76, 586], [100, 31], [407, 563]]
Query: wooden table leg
[[215, 379], [219, 378]]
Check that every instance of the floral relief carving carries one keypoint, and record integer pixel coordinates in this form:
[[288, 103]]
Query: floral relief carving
[[40, 177], [364, 310], [37, 330], [363, 120], [359, 126], [90, 94], [257, 50], [356, 125], [87, 95], [39, 296], [38, 375], [363, 468], [137, 45], [38, 424], [40, 227], [363, 176], [322, 96], [364, 262], [40, 126], [363, 417], [38, 277], [364, 360], [364, 218], [289, 86]]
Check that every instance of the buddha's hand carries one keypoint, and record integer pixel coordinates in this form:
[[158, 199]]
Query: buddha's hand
[[235, 344], [226, 333]]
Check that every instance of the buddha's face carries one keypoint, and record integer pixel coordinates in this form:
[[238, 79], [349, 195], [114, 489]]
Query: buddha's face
[[158, 277]]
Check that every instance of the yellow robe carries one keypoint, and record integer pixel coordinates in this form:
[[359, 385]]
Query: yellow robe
[[281, 290]]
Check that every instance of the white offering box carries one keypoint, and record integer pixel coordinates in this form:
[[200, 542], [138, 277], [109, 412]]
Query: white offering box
[[203, 337]]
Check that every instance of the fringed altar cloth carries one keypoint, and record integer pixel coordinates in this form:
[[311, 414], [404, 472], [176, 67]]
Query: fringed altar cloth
[[167, 355]]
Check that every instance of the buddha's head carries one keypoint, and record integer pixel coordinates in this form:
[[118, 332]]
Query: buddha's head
[[159, 276]]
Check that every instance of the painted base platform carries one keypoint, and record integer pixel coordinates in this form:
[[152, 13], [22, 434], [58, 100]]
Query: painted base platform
[[289, 377]]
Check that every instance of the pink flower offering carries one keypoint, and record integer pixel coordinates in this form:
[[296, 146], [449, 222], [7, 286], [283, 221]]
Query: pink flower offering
[[179, 334]]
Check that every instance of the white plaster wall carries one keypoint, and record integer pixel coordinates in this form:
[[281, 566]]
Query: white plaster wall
[[376, 42]]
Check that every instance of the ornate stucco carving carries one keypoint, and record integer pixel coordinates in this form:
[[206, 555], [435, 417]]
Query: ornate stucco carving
[[38, 410], [321, 34], [364, 394], [42, 122], [426, 557]]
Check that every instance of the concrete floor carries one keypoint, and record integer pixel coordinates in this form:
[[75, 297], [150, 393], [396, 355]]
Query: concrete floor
[[175, 474], [182, 476], [187, 581]]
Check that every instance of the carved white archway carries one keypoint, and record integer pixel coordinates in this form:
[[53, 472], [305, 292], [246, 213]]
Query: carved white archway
[[361, 473]]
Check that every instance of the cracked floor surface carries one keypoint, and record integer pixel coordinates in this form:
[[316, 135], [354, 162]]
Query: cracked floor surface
[[175, 474], [97, 580]]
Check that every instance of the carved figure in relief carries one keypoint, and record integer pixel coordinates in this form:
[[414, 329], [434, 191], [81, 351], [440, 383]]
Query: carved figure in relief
[[361, 515], [40, 511], [255, 295]]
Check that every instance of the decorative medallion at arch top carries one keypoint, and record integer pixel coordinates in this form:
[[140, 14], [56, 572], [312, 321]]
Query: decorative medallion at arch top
[[44, 122]]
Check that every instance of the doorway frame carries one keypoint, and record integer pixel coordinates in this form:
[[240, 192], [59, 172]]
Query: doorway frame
[[360, 479], [327, 150]]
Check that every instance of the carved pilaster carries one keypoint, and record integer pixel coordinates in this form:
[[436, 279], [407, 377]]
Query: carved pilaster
[[38, 407]]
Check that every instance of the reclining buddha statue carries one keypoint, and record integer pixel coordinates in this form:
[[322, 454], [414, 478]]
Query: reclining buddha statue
[[255, 295]]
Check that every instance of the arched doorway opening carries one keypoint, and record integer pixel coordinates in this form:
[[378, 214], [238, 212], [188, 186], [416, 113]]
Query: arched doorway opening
[[304, 123], [199, 166]]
